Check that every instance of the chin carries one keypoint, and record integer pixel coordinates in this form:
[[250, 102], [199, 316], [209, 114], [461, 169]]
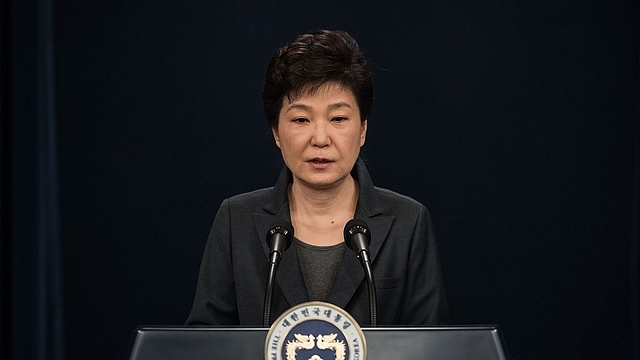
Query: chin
[[322, 182]]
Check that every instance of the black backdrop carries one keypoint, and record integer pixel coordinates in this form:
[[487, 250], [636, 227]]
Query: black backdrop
[[513, 122]]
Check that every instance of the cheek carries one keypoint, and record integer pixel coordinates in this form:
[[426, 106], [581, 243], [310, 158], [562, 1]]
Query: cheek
[[287, 142]]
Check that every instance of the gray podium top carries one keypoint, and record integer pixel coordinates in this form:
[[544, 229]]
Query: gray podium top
[[238, 343]]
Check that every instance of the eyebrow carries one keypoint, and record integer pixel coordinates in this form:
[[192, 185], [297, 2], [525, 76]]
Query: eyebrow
[[297, 107], [337, 105]]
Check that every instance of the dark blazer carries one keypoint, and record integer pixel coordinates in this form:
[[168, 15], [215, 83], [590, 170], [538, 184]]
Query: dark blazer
[[405, 261]]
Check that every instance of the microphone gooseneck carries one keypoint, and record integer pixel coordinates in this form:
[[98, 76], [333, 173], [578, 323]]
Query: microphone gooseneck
[[358, 237], [279, 238]]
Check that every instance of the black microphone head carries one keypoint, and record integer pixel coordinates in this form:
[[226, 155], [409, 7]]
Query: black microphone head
[[356, 226], [281, 227]]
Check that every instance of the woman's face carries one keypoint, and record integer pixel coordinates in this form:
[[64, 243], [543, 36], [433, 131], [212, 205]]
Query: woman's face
[[320, 135]]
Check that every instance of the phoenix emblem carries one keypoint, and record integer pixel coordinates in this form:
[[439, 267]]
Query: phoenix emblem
[[322, 342]]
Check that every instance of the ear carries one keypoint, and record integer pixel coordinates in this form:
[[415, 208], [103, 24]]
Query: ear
[[363, 133], [274, 131]]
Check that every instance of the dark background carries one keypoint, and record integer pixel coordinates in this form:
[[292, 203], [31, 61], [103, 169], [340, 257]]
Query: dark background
[[514, 122]]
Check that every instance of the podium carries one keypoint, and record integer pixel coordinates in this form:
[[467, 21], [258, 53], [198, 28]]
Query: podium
[[383, 343]]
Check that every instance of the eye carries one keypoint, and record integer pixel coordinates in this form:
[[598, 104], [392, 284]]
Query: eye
[[300, 120], [339, 118]]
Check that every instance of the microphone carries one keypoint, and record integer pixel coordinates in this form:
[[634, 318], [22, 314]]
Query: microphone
[[358, 237], [279, 238]]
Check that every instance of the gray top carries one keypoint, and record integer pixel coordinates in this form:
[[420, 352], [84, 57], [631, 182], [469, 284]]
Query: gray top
[[319, 265]]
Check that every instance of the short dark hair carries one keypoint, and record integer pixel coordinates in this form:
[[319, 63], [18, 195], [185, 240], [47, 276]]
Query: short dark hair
[[311, 60]]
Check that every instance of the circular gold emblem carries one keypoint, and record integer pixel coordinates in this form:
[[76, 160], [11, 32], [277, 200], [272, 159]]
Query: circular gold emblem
[[315, 330]]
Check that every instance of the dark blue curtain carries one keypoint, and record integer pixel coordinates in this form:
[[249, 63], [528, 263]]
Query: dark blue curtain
[[32, 306], [635, 235]]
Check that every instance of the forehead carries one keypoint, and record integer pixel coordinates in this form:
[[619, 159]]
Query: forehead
[[320, 92]]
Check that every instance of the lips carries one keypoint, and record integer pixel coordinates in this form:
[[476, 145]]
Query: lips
[[320, 161]]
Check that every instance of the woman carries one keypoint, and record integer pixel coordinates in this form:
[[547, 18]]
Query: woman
[[317, 97]]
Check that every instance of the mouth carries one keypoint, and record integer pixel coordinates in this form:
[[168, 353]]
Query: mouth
[[320, 161]]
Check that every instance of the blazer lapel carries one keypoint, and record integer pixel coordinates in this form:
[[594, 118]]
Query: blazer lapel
[[350, 273], [289, 276]]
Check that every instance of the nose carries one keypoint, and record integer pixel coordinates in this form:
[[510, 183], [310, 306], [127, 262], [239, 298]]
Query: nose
[[321, 136]]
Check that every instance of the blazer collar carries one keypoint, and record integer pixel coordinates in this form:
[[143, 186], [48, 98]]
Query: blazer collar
[[350, 274]]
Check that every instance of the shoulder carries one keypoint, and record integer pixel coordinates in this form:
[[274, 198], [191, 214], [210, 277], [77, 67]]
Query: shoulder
[[249, 200], [393, 201], [239, 209], [405, 209]]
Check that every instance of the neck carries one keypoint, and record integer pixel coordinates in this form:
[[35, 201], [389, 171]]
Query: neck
[[312, 203]]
